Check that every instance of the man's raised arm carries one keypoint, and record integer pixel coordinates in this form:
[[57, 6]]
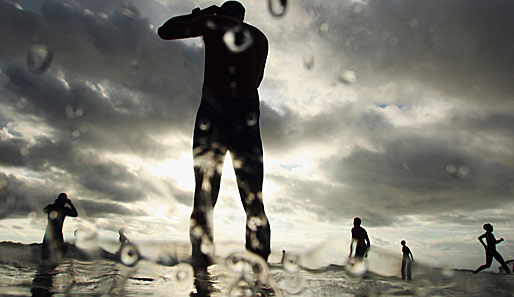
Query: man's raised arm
[[187, 26]]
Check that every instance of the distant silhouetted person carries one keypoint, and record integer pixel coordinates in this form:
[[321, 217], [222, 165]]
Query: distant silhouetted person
[[283, 256], [53, 242], [227, 119], [359, 239], [407, 260], [490, 249]]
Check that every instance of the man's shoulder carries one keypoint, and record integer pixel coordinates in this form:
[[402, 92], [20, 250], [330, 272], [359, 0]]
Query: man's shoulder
[[256, 32]]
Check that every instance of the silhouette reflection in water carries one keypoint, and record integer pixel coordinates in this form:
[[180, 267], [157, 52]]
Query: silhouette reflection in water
[[490, 249], [227, 120], [359, 239], [43, 280], [407, 260], [54, 248]]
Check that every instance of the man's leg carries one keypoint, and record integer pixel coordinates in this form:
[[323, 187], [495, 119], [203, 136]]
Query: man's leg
[[208, 165], [499, 258], [488, 262], [248, 166]]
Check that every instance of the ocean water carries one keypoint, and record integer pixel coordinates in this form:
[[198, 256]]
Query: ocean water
[[235, 273]]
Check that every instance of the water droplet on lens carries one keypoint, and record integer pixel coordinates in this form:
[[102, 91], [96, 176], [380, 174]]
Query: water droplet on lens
[[463, 171], [324, 28], [204, 124], [233, 84], [241, 289], [129, 255], [237, 39], [211, 25], [254, 223], [291, 262], [277, 8], [53, 215], [24, 151], [251, 119], [293, 284], [308, 61], [450, 168], [75, 133], [39, 58], [348, 77], [74, 112], [129, 10]]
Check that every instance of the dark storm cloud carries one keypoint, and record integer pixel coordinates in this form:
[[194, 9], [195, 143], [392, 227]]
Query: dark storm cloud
[[463, 48], [113, 87]]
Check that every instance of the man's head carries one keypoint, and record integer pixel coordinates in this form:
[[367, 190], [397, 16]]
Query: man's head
[[233, 9], [62, 198], [403, 242], [357, 221], [488, 227]]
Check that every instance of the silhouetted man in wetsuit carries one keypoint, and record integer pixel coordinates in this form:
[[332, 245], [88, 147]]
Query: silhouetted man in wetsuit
[[227, 119], [360, 239], [407, 260], [53, 242], [490, 249]]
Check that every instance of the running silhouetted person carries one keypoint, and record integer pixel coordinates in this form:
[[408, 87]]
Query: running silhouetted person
[[359, 239], [407, 260], [227, 119], [490, 249], [53, 242]]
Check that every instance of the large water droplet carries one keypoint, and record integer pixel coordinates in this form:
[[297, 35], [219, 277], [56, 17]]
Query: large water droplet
[[291, 262], [39, 58], [293, 284], [204, 124], [237, 39], [129, 255], [277, 8]]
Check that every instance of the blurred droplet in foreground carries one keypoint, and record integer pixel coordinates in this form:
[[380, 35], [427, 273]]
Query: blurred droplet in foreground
[[39, 58], [277, 8], [74, 112], [7, 204], [293, 284], [129, 10], [348, 77], [24, 151], [291, 262], [356, 268], [251, 119], [211, 25], [237, 39], [204, 124], [323, 29], [129, 255], [308, 61]]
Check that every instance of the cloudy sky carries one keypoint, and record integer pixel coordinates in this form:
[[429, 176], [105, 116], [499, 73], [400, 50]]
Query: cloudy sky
[[400, 112]]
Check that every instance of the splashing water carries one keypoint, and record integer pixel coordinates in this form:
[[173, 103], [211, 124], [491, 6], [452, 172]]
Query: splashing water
[[39, 58], [277, 8], [237, 39]]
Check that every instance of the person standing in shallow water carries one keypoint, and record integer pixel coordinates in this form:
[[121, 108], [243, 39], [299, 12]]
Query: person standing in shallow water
[[490, 249], [53, 241], [227, 119], [359, 239], [407, 260]]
